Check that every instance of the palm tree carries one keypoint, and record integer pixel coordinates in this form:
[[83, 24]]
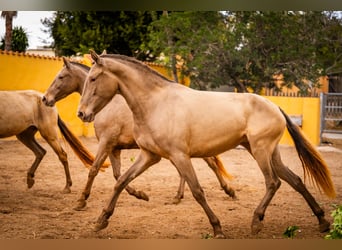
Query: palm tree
[[8, 15]]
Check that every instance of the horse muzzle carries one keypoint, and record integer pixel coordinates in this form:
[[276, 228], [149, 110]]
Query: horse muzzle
[[85, 117], [47, 102]]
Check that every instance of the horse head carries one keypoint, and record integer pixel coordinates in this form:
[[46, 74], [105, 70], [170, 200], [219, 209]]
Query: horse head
[[99, 88], [68, 80]]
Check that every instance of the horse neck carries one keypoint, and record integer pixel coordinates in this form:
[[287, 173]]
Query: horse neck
[[140, 90], [80, 86], [80, 81]]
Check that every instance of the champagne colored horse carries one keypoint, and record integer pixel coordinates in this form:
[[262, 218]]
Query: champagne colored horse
[[113, 129], [177, 123], [22, 115]]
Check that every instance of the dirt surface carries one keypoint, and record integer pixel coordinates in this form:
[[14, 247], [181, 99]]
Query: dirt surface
[[43, 212]]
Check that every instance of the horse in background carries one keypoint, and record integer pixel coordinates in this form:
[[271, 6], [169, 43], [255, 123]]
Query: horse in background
[[23, 114]]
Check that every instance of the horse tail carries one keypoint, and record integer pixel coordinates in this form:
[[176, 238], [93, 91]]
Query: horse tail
[[313, 164], [222, 168], [83, 154]]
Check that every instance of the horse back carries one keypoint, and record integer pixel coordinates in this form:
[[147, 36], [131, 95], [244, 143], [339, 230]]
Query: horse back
[[222, 120], [20, 110]]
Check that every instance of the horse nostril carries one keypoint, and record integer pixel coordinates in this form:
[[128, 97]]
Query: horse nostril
[[80, 114]]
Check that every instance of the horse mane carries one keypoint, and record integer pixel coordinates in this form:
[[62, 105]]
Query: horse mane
[[137, 63], [81, 65]]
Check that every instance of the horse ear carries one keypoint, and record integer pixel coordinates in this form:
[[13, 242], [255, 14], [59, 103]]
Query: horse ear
[[96, 58], [66, 62], [104, 52]]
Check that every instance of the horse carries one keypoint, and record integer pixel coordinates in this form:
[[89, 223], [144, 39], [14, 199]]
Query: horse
[[23, 114], [114, 131], [178, 123]]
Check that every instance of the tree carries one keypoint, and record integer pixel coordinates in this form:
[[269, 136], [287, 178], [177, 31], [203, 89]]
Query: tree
[[8, 15], [19, 40], [115, 31], [191, 36], [248, 49]]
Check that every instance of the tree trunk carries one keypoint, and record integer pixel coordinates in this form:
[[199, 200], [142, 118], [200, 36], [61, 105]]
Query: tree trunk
[[8, 34], [241, 88], [8, 15]]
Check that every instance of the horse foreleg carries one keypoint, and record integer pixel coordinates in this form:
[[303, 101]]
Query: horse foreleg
[[185, 169], [101, 155], [296, 183], [27, 138], [144, 161], [116, 165], [212, 164]]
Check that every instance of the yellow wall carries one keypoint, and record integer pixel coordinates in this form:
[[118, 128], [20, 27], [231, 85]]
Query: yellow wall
[[22, 71], [308, 108]]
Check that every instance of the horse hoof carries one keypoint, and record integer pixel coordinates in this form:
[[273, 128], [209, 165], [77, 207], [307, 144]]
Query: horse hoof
[[220, 236], [81, 206], [324, 226], [100, 226], [231, 194], [66, 190], [256, 227], [141, 195], [30, 182]]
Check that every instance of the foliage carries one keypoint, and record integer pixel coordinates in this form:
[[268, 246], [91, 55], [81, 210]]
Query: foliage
[[114, 31], [248, 49], [19, 41], [242, 49], [207, 236], [336, 232], [194, 36], [290, 232]]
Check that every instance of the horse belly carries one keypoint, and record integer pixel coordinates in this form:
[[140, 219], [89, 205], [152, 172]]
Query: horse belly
[[13, 125], [14, 120], [215, 141]]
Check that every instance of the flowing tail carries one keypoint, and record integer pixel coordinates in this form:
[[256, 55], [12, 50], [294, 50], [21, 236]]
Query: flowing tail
[[313, 164], [83, 154], [222, 168]]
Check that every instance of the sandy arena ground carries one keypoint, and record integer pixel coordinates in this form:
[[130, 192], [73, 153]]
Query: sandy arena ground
[[43, 212]]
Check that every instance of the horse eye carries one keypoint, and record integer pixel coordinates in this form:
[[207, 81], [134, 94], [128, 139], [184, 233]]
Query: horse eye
[[60, 77]]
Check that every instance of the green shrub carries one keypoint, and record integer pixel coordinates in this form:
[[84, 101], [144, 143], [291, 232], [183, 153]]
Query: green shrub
[[290, 232], [336, 232]]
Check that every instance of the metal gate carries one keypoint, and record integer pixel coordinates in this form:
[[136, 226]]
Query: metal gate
[[331, 113]]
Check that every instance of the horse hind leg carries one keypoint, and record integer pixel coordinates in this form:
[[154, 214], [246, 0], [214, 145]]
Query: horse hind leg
[[52, 140], [185, 169], [211, 161], [180, 192], [215, 168], [263, 158], [116, 165], [296, 183], [27, 138]]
